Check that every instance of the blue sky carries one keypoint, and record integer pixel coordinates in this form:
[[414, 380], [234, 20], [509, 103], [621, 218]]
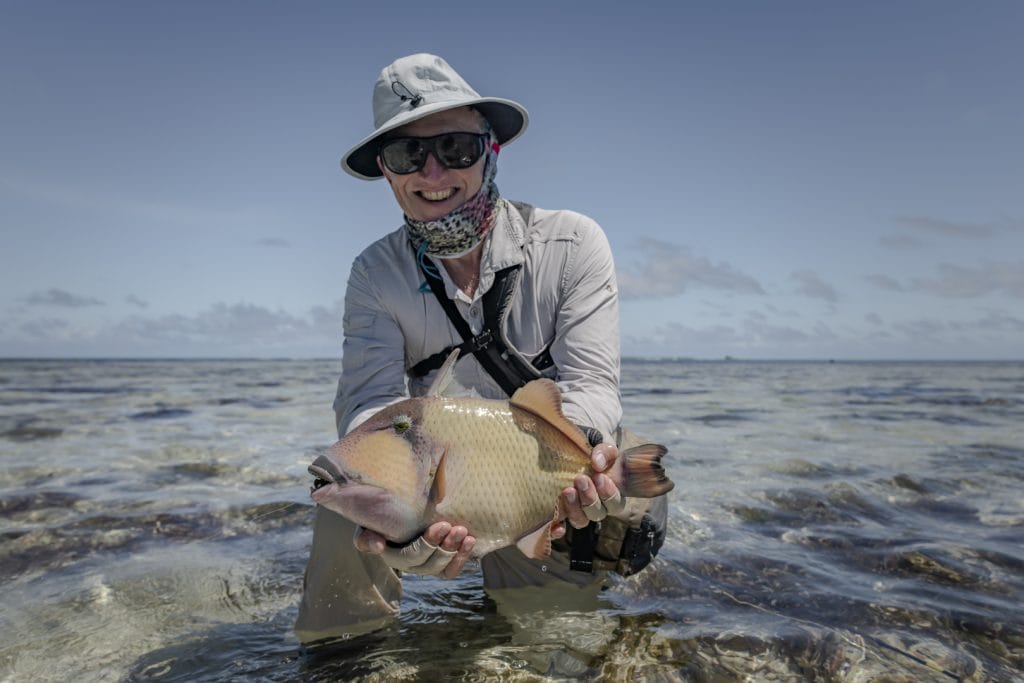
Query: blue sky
[[777, 180]]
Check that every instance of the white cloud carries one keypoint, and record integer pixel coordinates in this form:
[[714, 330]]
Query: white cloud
[[223, 330], [990, 277], [939, 227], [1000, 321], [811, 285], [885, 282], [900, 242], [274, 242], [61, 298], [667, 269], [962, 229]]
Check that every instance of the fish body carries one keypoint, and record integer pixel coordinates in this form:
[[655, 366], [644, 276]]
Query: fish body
[[496, 467]]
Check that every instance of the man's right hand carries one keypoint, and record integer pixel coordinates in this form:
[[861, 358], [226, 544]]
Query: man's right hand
[[442, 550]]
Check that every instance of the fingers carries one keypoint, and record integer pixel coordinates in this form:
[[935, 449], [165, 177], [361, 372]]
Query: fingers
[[442, 550], [603, 456], [609, 494], [462, 552], [436, 533], [571, 510], [367, 541], [592, 498]]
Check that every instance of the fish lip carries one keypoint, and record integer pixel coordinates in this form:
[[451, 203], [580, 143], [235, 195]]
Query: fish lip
[[326, 471]]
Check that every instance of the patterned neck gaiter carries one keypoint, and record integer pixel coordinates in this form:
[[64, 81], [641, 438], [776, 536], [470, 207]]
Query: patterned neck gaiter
[[459, 231]]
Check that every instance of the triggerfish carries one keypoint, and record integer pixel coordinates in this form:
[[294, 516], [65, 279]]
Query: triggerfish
[[496, 467]]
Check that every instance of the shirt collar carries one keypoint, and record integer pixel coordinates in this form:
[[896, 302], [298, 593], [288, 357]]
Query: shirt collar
[[503, 247]]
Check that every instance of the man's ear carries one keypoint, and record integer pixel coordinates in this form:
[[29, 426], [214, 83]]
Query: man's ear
[[383, 170]]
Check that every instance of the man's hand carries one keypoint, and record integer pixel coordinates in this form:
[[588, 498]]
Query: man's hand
[[442, 550], [595, 497]]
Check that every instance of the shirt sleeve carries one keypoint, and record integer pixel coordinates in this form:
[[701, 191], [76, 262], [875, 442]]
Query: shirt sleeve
[[586, 344], [373, 354]]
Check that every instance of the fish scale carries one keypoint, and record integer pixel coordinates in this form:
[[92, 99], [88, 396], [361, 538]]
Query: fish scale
[[495, 467], [526, 465]]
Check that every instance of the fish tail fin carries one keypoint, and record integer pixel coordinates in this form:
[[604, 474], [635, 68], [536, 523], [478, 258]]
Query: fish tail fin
[[643, 475]]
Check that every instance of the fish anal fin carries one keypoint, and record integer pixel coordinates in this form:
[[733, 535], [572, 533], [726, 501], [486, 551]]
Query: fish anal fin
[[542, 399], [537, 544]]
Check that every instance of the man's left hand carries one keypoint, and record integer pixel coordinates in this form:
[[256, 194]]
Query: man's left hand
[[592, 498]]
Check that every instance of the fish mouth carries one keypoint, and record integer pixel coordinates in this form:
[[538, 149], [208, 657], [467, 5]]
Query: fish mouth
[[325, 472]]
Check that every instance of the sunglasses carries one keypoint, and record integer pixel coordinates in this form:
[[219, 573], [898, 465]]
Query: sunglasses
[[452, 150]]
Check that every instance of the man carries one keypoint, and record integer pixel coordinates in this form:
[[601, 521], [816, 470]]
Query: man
[[436, 142]]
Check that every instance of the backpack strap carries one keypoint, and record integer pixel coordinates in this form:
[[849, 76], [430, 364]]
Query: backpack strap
[[503, 364], [505, 368]]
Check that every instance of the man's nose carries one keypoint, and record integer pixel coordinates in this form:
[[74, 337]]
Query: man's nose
[[432, 167]]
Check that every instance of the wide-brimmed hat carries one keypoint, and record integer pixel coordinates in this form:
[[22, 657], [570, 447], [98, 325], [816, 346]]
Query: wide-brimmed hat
[[416, 86]]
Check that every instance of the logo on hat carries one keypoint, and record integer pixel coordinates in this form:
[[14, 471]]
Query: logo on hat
[[413, 100]]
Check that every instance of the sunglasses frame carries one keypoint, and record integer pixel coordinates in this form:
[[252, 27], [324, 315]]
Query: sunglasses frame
[[430, 146]]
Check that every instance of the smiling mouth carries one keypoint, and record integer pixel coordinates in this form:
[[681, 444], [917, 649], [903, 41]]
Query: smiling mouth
[[437, 195]]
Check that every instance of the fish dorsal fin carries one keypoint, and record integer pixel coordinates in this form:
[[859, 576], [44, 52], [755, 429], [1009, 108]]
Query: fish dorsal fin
[[542, 399], [444, 375]]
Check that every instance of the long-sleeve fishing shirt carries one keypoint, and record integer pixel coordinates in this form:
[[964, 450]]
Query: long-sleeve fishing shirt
[[567, 299]]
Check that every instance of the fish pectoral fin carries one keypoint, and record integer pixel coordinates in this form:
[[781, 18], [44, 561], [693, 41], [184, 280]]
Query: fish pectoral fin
[[537, 544], [437, 486]]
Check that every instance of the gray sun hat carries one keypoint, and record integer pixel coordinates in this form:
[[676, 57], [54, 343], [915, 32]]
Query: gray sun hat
[[415, 87]]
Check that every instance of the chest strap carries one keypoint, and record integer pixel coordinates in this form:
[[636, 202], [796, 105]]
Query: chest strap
[[505, 367]]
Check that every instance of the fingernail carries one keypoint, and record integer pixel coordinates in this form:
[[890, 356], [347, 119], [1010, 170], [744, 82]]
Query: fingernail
[[570, 496], [599, 461]]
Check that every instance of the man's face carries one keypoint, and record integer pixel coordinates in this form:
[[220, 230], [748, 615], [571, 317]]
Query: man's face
[[434, 190]]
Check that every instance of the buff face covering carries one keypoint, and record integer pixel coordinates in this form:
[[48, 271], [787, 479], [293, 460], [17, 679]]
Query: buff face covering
[[460, 230]]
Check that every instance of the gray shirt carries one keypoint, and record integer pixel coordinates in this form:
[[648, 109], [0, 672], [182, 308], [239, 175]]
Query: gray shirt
[[568, 299]]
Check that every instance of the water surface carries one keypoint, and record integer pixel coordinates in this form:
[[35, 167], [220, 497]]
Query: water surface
[[831, 521]]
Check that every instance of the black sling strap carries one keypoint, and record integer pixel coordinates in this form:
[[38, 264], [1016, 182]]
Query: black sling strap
[[506, 368]]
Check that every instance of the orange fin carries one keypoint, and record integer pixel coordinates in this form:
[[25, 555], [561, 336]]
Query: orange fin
[[643, 475], [537, 544], [542, 399], [437, 486]]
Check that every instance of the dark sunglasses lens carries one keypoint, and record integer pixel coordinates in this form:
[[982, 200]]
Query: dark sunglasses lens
[[404, 155], [459, 150]]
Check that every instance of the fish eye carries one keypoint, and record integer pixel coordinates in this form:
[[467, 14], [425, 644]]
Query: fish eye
[[401, 424]]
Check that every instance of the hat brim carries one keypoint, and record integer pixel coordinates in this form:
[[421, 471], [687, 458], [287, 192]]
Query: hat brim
[[508, 119]]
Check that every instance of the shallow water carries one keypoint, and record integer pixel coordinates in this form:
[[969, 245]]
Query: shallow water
[[831, 521]]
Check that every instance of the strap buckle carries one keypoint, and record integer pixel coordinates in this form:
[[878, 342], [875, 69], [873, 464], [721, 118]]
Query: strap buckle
[[482, 340]]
